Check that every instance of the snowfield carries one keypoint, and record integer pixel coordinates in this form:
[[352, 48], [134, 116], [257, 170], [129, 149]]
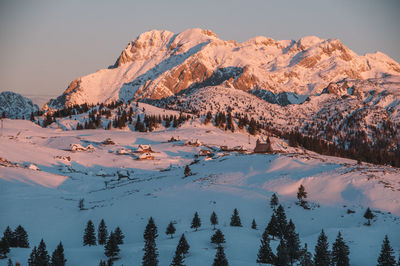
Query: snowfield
[[42, 181]]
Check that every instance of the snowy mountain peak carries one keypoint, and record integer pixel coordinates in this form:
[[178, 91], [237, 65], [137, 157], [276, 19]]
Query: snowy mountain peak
[[15, 105]]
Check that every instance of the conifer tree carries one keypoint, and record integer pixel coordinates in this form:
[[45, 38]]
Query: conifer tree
[[253, 224], [178, 259], [102, 233], [272, 227], [119, 236], [57, 258], [187, 171], [102, 263], [386, 257], [301, 195], [196, 223], [150, 257], [89, 238], [368, 215], [274, 201], [81, 204], [322, 255], [32, 261], [282, 255], [9, 235], [281, 220], [340, 252], [170, 229], [4, 247], [111, 248], [306, 257], [265, 254], [220, 257], [235, 219], [21, 237], [183, 245], [292, 242], [10, 263], [218, 238], [43, 257], [214, 220]]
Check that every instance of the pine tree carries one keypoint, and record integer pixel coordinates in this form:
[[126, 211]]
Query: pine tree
[[282, 255], [301, 195], [386, 257], [235, 219], [272, 227], [292, 242], [265, 254], [170, 229], [102, 263], [187, 171], [274, 201], [81, 204], [218, 238], [21, 237], [214, 219], [253, 224], [43, 258], [340, 252], [4, 247], [32, 261], [111, 248], [196, 223], [57, 258], [119, 236], [150, 248], [322, 255], [183, 245], [10, 263], [368, 215], [9, 235], [102, 233], [281, 220], [89, 238], [220, 258], [178, 258], [306, 257]]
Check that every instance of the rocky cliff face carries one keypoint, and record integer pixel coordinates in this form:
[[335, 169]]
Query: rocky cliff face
[[14, 105], [158, 64]]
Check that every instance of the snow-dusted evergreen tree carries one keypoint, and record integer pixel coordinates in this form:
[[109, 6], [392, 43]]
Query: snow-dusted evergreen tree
[[119, 236], [42, 257], [214, 219], [10, 263], [220, 257], [306, 257], [282, 255], [150, 257], [89, 238], [4, 247], [265, 254], [183, 245], [386, 257], [235, 219], [274, 201], [58, 258], [81, 204], [301, 196], [111, 248], [178, 259], [322, 256], [368, 215], [9, 235], [170, 230], [196, 222], [218, 237], [340, 252], [21, 237], [253, 224], [292, 242], [102, 233], [187, 171], [32, 261], [272, 227], [281, 220]]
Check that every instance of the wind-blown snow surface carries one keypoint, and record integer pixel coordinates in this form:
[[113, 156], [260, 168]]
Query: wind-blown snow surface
[[45, 201]]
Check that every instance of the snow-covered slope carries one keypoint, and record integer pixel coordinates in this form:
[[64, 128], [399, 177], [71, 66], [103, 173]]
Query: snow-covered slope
[[158, 64], [15, 105], [45, 201]]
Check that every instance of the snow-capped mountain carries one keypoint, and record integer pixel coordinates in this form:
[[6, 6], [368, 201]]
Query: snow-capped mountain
[[15, 105], [158, 64]]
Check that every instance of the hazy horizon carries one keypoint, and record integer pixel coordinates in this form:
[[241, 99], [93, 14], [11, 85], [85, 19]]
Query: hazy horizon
[[47, 45]]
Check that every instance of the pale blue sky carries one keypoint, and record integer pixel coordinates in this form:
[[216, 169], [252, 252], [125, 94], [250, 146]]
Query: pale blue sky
[[44, 45]]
